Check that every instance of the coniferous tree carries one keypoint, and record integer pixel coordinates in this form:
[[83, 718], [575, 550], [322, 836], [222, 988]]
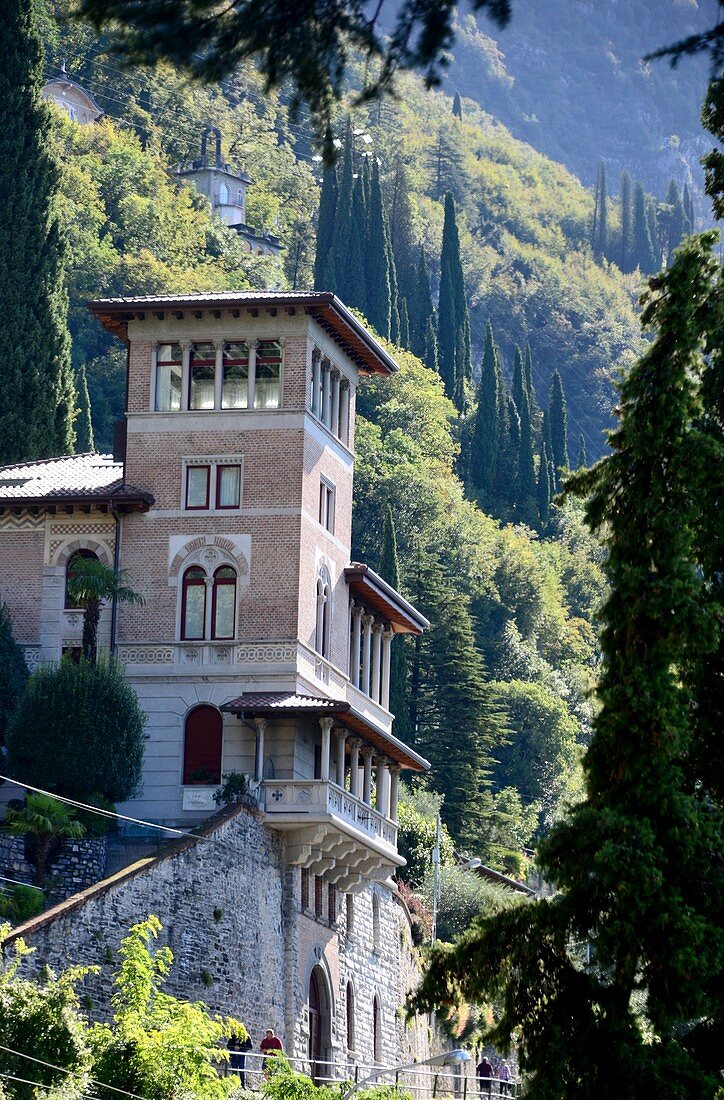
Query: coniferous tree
[[84, 442], [325, 230], [643, 247], [653, 224], [37, 397], [678, 223], [404, 338], [394, 297], [627, 259], [377, 261], [486, 425], [457, 107], [688, 204], [452, 307], [599, 234], [431, 354], [399, 686], [543, 487], [637, 862], [401, 234], [421, 312], [343, 222], [517, 385], [355, 277], [528, 376], [445, 162], [558, 423], [525, 488], [582, 460]]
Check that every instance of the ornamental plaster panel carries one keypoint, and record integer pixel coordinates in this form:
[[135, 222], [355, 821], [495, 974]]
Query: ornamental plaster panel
[[209, 550], [25, 522]]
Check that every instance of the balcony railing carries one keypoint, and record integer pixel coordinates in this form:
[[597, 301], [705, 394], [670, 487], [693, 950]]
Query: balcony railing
[[314, 798]]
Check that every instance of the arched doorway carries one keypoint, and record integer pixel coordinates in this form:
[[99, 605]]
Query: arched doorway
[[320, 1025]]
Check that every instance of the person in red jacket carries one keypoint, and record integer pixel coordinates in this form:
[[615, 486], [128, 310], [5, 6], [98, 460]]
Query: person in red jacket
[[271, 1045]]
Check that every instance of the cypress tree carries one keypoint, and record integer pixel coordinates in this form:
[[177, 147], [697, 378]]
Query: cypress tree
[[525, 490], [377, 261], [37, 397], [404, 338], [325, 229], [599, 235], [457, 107], [486, 425], [643, 248], [399, 686], [355, 277], [452, 307], [652, 219], [543, 487], [343, 222], [688, 204], [84, 430], [394, 298], [431, 355], [558, 422], [582, 460], [528, 376], [422, 311], [401, 234], [678, 227], [517, 385], [627, 260]]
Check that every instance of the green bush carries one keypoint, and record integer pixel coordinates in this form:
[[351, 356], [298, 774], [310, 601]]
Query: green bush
[[463, 896], [13, 671], [77, 731]]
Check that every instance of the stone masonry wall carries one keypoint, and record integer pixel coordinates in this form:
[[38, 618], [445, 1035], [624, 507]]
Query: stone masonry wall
[[76, 866]]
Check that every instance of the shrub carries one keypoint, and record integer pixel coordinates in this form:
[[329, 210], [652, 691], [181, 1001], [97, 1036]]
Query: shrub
[[13, 671], [78, 730]]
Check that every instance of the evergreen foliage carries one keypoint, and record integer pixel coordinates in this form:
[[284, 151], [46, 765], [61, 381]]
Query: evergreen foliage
[[377, 261], [558, 423], [599, 231], [13, 671], [485, 442], [402, 236], [678, 225], [399, 690], [688, 203], [325, 230], [582, 460], [627, 260], [37, 394], [78, 730], [91, 583], [543, 487], [431, 353], [517, 385], [404, 340], [355, 275], [643, 246], [84, 441], [636, 862], [457, 107], [421, 312], [453, 320], [45, 819], [525, 487]]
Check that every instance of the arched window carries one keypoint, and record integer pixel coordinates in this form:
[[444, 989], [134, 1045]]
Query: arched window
[[202, 746], [321, 640], [376, 1030], [223, 603], [223, 194], [350, 1016], [193, 604], [70, 570], [375, 922]]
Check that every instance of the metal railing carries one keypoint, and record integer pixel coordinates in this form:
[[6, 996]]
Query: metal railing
[[422, 1081]]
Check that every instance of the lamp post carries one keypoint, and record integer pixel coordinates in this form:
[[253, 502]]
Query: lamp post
[[449, 1058]]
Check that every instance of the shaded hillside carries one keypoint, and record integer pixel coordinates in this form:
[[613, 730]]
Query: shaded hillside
[[567, 76]]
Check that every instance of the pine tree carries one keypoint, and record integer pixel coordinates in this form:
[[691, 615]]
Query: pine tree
[[457, 107], [452, 307], [582, 460], [643, 248], [558, 422], [486, 425], [37, 397], [543, 488], [599, 234], [84, 442], [377, 261], [421, 312], [399, 687], [525, 488], [431, 354], [325, 229], [627, 259], [637, 862]]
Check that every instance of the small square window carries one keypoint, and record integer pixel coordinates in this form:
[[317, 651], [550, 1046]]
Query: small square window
[[326, 504], [197, 487], [228, 486]]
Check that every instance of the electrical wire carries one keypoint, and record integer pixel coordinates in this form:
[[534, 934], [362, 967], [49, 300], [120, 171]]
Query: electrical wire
[[63, 1069], [14, 882]]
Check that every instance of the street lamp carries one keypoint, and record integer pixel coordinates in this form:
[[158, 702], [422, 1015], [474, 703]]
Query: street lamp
[[449, 1058]]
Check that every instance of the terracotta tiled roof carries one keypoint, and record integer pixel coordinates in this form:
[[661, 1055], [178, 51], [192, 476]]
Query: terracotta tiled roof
[[259, 702], [70, 478]]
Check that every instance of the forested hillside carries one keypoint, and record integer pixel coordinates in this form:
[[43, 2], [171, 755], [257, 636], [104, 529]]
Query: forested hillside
[[496, 693], [568, 77]]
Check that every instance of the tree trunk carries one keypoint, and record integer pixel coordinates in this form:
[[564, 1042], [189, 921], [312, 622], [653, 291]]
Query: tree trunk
[[91, 618]]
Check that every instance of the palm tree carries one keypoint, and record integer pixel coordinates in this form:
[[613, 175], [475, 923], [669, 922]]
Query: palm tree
[[46, 819], [90, 583]]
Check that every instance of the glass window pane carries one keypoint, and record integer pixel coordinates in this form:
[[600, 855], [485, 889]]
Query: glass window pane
[[202, 362], [168, 377], [224, 606], [194, 609], [228, 486], [235, 384], [197, 486], [267, 387]]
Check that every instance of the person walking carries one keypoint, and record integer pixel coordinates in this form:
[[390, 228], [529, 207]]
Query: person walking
[[484, 1073], [504, 1078]]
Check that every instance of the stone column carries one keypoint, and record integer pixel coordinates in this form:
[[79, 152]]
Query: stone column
[[252, 374], [185, 373], [326, 393], [354, 746], [334, 420], [383, 790], [341, 742], [387, 637], [316, 383], [356, 644], [367, 754], [343, 431], [259, 754], [367, 621], [394, 790], [219, 376], [376, 661], [326, 724]]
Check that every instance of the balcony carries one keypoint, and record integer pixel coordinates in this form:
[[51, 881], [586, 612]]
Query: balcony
[[331, 832]]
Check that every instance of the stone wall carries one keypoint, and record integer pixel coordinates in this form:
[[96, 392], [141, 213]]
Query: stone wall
[[76, 866]]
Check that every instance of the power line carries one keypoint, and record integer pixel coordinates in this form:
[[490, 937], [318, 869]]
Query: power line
[[15, 882], [63, 1069]]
